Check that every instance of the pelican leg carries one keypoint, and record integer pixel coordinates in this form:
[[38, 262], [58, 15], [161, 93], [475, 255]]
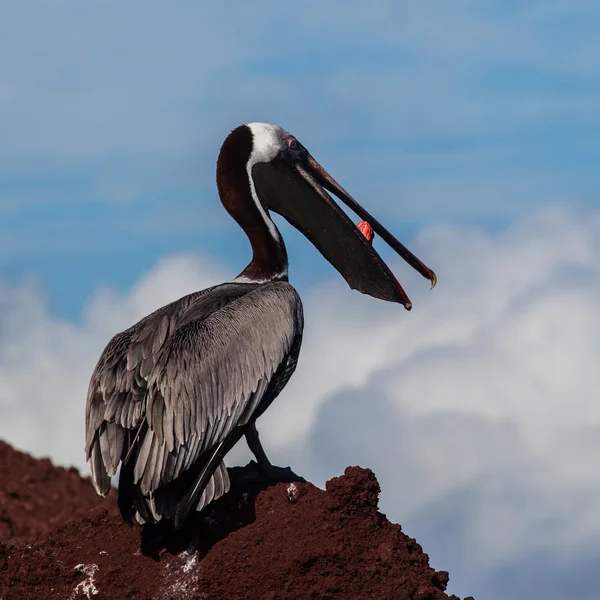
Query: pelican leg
[[270, 471]]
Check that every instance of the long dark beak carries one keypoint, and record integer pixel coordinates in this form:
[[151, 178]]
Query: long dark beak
[[295, 191]]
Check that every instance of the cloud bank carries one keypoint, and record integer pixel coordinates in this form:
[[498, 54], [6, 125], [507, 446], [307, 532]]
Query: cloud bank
[[478, 410]]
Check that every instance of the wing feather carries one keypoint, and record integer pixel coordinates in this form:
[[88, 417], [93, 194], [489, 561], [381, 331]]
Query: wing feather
[[100, 477], [143, 456]]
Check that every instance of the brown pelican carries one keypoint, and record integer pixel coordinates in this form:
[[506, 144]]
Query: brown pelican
[[171, 395]]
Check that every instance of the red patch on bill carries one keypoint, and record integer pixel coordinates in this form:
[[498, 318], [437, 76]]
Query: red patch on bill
[[366, 230]]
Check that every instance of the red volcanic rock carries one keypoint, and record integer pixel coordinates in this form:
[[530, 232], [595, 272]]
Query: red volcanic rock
[[284, 542], [36, 496]]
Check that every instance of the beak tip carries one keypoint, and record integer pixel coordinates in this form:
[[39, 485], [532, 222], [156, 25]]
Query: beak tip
[[433, 280]]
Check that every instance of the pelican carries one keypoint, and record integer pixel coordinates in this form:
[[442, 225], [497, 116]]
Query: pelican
[[171, 395]]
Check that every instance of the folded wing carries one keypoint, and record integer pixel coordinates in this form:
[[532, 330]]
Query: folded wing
[[171, 396]]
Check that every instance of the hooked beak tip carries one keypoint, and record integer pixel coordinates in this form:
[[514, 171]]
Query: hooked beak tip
[[433, 280]]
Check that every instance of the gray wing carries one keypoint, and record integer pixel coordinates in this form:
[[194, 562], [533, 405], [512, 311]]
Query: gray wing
[[117, 393], [193, 386]]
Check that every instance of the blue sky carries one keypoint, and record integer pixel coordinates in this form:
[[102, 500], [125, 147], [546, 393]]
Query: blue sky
[[473, 112], [471, 129]]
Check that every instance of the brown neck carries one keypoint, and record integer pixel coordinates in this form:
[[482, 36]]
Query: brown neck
[[269, 256]]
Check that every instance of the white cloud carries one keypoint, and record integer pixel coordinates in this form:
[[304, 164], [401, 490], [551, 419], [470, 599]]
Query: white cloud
[[478, 410]]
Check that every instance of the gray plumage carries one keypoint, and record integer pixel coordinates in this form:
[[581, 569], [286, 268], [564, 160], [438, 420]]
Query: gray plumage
[[171, 395]]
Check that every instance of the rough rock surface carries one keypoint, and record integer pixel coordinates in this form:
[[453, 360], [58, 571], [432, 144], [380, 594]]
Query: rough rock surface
[[36, 496], [286, 541]]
